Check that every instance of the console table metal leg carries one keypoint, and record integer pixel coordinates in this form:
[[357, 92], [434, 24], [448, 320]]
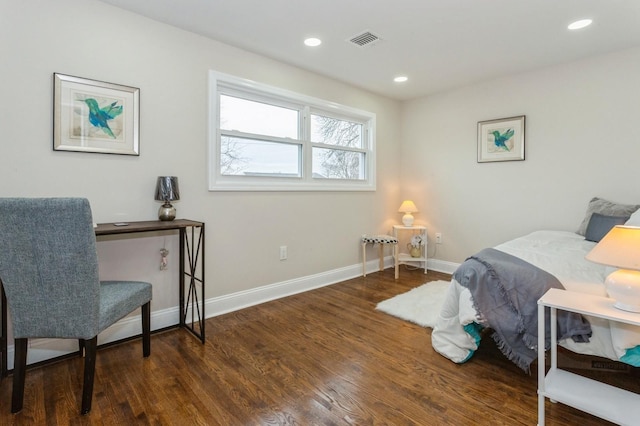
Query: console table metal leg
[[192, 258], [181, 276]]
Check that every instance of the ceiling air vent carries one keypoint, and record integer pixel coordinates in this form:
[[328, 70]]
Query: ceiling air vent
[[365, 39]]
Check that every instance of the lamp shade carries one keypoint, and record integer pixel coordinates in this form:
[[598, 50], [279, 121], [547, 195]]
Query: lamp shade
[[408, 206], [619, 248], [167, 188]]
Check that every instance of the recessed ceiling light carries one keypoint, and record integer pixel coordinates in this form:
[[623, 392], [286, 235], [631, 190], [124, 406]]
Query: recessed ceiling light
[[401, 79], [313, 42], [580, 24]]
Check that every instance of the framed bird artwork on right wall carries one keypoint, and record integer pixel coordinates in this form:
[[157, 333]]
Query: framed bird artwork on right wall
[[501, 139], [95, 116]]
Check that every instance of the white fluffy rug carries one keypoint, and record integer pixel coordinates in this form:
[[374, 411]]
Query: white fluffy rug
[[420, 305]]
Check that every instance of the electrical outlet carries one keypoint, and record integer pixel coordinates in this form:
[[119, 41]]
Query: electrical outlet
[[438, 238], [283, 252]]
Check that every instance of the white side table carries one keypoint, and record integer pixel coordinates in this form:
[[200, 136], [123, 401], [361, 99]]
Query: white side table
[[406, 257], [593, 397]]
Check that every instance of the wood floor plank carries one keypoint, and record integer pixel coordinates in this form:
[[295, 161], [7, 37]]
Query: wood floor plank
[[324, 357]]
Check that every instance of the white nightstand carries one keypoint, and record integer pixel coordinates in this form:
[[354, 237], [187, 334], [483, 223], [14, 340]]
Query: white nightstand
[[406, 257], [593, 397]]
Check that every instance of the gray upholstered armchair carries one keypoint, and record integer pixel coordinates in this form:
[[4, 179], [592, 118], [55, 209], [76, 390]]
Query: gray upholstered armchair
[[49, 271]]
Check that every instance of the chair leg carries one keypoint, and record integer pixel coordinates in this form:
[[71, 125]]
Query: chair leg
[[146, 329], [19, 373], [91, 347], [80, 347]]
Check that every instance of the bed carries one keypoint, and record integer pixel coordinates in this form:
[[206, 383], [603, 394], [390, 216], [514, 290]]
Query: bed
[[558, 254]]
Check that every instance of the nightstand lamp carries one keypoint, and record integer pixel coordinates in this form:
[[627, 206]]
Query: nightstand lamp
[[621, 248], [167, 191], [407, 208]]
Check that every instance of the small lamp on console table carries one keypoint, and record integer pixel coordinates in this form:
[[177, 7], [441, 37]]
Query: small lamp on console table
[[407, 208], [166, 191], [621, 248]]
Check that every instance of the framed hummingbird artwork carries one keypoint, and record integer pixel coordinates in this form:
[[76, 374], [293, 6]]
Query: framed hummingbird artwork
[[95, 116], [501, 139]]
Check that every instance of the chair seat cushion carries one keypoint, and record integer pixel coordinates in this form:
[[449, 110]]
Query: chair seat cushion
[[379, 239], [119, 298]]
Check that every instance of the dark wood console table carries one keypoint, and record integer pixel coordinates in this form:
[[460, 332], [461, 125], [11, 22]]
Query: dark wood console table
[[191, 253], [191, 283]]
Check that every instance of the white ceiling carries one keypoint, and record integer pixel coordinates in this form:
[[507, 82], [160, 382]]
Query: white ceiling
[[438, 44]]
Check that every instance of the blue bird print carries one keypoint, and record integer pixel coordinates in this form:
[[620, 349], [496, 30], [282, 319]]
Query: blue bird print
[[500, 139], [100, 117]]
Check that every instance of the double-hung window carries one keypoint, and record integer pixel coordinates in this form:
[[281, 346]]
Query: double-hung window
[[270, 139]]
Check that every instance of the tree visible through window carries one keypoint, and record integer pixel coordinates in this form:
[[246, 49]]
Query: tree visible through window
[[334, 163], [271, 139]]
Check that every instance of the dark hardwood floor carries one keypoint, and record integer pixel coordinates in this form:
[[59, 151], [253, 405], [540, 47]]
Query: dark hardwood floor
[[324, 357]]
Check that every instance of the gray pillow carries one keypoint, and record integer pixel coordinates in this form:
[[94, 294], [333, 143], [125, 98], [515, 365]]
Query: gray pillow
[[607, 208], [600, 225]]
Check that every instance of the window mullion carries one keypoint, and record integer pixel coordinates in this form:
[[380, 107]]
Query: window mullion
[[259, 137], [305, 137], [337, 147]]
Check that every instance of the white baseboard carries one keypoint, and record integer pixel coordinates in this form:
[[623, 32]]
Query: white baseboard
[[442, 266], [243, 299], [43, 349]]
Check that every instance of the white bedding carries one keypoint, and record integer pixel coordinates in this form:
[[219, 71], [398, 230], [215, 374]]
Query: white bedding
[[561, 254]]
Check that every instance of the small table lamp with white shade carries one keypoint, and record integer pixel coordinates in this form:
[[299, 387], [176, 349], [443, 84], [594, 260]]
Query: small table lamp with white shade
[[407, 207], [621, 248]]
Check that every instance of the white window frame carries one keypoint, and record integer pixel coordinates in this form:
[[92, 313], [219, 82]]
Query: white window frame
[[220, 83]]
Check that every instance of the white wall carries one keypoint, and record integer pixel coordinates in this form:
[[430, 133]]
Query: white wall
[[582, 140], [90, 39]]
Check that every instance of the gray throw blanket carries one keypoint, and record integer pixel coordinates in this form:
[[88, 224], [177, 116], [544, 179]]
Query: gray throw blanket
[[505, 291]]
